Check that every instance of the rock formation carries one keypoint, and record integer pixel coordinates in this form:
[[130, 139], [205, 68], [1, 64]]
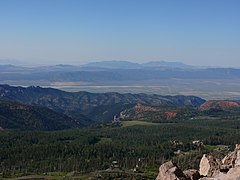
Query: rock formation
[[233, 158], [218, 104], [170, 171], [210, 168], [170, 115], [192, 174]]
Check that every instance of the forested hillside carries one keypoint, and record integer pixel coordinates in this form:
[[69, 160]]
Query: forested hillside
[[159, 129], [92, 149], [165, 113], [19, 116], [96, 106]]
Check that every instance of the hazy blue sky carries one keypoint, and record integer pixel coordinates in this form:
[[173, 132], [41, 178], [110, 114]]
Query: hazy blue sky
[[198, 32]]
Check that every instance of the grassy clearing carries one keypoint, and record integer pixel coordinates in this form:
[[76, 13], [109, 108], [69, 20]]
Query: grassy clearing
[[138, 123], [105, 140], [106, 174], [212, 147]]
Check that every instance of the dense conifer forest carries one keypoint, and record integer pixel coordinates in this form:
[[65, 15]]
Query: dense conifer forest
[[94, 148]]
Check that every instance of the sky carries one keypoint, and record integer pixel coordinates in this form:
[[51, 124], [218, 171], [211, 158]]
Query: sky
[[196, 32]]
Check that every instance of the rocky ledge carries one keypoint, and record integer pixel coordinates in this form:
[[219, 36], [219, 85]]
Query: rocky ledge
[[210, 168]]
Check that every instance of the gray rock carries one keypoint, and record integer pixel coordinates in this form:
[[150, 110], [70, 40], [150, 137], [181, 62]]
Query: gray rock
[[192, 174], [233, 158], [170, 171], [232, 174], [209, 166]]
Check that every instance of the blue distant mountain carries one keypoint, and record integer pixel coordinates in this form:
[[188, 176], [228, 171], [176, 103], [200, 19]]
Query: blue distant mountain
[[166, 64], [114, 65], [113, 72], [132, 65]]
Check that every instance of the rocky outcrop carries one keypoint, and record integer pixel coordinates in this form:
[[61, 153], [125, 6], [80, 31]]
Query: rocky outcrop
[[210, 168], [153, 113], [170, 115], [218, 104], [237, 151], [139, 108], [192, 174], [233, 158], [232, 174], [170, 171]]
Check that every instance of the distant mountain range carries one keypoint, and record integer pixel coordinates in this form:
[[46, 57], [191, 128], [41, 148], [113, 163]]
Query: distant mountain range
[[131, 65], [101, 65], [114, 65], [171, 77], [93, 73], [112, 72], [166, 64]]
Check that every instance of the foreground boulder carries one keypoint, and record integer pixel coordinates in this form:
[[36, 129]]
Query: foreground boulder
[[232, 174], [209, 166], [192, 174], [170, 171], [233, 158]]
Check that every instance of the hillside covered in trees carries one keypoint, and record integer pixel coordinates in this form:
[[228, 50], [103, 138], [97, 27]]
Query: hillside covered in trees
[[95, 148], [149, 130], [95, 106], [19, 116]]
